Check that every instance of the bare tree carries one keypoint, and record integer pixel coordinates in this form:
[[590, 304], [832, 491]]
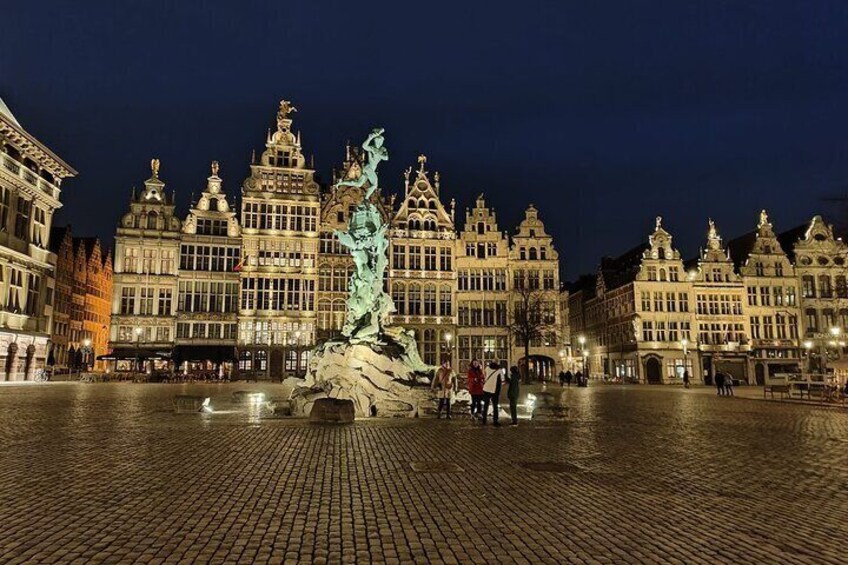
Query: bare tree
[[532, 317]]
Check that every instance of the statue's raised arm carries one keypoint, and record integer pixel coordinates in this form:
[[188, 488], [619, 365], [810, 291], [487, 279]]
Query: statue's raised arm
[[376, 151]]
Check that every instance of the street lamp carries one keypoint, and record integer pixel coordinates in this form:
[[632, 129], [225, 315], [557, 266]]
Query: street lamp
[[582, 341], [448, 350], [138, 349], [86, 350]]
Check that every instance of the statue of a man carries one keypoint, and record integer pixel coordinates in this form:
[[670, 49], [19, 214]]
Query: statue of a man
[[373, 145]]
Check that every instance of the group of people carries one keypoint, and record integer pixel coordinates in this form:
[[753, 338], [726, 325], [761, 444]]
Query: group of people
[[485, 384], [724, 384], [565, 378]]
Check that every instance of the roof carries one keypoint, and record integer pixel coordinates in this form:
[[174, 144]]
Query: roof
[[740, 248], [789, 238], [621, 270], [57, 235], [88, 244], [7, 113]]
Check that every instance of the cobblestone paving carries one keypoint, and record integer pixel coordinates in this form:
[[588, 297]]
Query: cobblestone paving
[[108, 473]]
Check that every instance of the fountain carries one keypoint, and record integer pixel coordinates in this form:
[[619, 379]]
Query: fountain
[[375, 367]]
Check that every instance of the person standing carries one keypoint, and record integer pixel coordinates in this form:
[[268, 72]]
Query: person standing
[[568, 377], [685, 379], [719, 382], [443, 382], [728, 385], [475, 387], [492, 392], [561, 378], [512, 393]]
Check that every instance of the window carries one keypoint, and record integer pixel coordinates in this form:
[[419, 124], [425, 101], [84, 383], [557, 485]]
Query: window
[[683, 301], [658, 302], [808, 286], [164, 301], [146, 302], [4, 207], [755, 327], [646, 301], [128, 300], [812, 320], [778, 269], [825, 290], [765, 296], [752, 296], [445, 301], [648, 331], [768, 327], [669, 302], [399, 256], [430, 300], [414, 298], [415, 257], [652, 273], [399, 298], [22, 218], [429, 258], [445, 261], [33, 288], [759, 269]]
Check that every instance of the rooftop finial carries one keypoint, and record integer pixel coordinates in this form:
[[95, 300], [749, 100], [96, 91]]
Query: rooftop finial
[[422, 160], [286, 108], [659, 222], [214, 168], [154, 167], [764, 219]]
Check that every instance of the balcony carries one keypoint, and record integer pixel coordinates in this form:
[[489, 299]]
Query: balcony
[[30, 177]]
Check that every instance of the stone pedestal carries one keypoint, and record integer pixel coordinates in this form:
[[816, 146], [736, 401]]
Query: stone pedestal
[[378, 379]]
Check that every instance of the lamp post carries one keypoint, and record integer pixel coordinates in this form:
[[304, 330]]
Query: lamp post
[[685, 343], [86, 352], [582, 341], [138, 349], [448, 348]]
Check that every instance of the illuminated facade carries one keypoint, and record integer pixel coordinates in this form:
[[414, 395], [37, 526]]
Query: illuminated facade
[[771, 301], [144, 286], [422, 274], [637, 320], [280, 212], [30, 179], [820, 266], [483, 299], [721, 324], [534, 267], [208, 285]]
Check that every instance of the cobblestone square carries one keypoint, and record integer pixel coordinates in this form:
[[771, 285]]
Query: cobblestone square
[[108, 473]]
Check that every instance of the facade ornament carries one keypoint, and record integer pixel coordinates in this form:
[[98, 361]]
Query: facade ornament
[[659, 222], [154, 168], [214, 168], [764, 219], [422, 160], [286, 108], [712, 234]]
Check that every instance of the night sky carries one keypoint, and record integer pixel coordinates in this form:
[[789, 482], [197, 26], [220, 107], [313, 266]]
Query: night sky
[[603, 114]]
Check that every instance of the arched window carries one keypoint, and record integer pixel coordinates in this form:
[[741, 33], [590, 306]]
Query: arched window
[[339, 311], [399, 298], [543, 253], [661, 252], [432, 204], [662, 274], [481, 228], [825, 290], [533, 254], [325, 278], [422, 203], [152, 220], [414, 299], [411, 203], [522, 253], [324, 315]]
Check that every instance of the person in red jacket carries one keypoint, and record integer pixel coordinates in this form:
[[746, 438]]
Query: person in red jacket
[[475, 387]]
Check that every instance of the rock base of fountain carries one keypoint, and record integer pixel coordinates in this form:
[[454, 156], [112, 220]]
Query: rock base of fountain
[[379, 379]]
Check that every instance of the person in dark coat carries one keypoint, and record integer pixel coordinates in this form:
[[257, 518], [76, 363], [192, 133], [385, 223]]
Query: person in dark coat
[[685, 379], [719, 381], [512, 393], [568, 377], [728, 385]]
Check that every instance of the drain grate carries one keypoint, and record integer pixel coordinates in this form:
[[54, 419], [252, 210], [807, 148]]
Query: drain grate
[[550, 467], [435, 467]]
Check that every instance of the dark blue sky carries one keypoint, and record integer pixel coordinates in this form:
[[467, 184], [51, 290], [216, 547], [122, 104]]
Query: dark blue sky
[[604, 114]]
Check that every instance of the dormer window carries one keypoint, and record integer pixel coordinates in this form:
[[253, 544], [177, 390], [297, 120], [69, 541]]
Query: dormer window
[[661, 253], [481, 228]]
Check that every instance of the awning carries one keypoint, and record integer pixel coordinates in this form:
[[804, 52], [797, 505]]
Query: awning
[[133, 353], [213, 353]]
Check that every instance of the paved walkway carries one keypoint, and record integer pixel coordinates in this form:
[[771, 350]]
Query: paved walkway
[[108, 473]]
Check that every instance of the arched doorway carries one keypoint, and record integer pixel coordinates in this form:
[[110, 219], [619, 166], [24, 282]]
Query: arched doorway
[[760, 374], [540, 368], [653, 371]]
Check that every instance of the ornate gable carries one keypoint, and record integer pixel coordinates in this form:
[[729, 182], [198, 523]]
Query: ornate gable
[[660, 260], [212, 206], [421, 213], [715, 264]]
